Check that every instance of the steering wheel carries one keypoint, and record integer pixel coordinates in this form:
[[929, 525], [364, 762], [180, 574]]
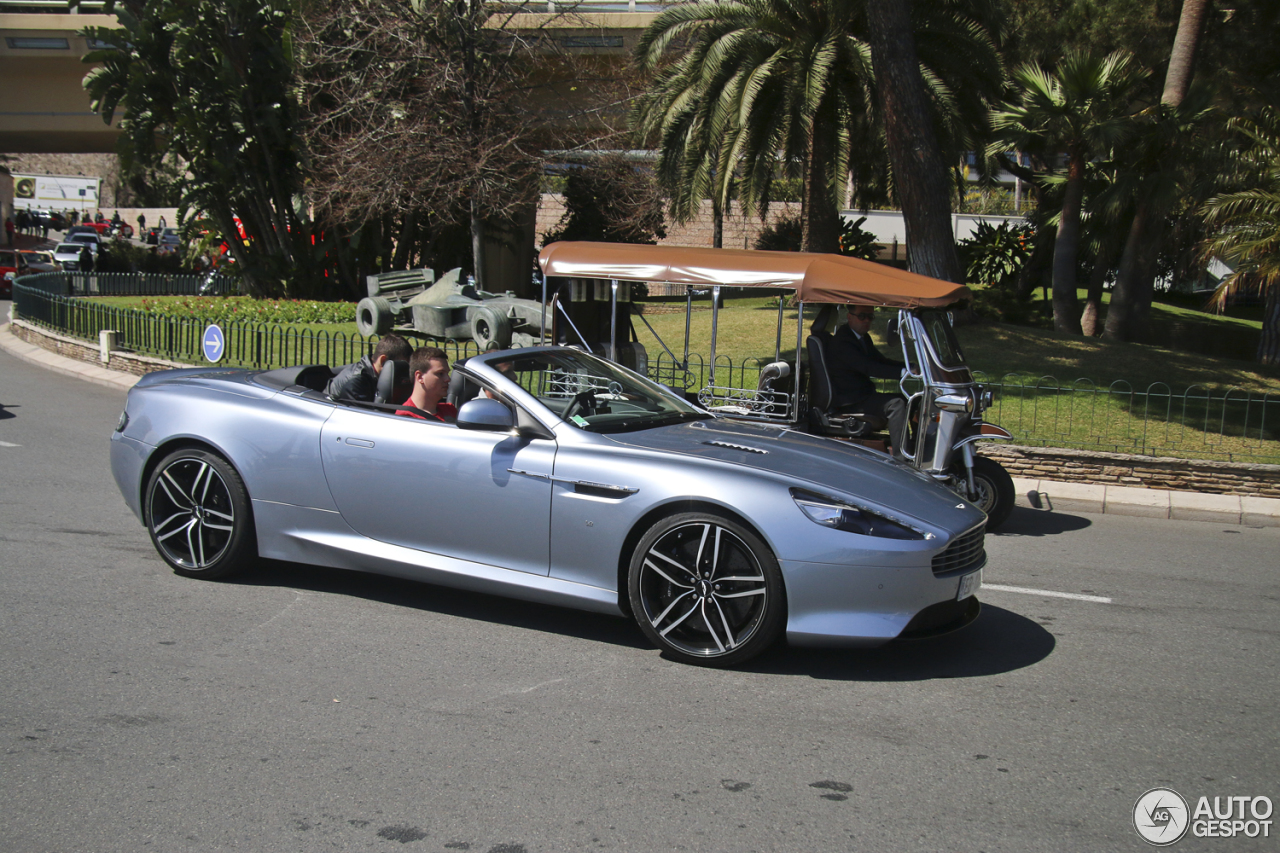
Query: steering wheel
[[583, 402]]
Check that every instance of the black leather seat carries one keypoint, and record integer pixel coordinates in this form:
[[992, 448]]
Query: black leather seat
[[824, 418]]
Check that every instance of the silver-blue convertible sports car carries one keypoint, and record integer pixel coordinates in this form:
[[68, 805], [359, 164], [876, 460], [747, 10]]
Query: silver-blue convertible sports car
[[574, 482]]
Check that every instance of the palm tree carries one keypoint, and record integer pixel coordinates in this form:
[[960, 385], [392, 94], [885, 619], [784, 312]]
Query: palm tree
[[1083, 110], [1131, 299], [758, 84], [1246, 225]]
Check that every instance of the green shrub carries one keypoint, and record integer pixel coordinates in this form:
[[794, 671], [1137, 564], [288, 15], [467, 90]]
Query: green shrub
[[244, 309]]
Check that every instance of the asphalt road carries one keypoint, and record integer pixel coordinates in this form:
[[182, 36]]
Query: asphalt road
[[306, 709]]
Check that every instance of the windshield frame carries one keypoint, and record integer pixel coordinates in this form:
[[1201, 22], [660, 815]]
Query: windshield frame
[[624, 400]]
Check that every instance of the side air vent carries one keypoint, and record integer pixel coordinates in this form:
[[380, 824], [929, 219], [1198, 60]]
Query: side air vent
[[737, 447], [965, 554]]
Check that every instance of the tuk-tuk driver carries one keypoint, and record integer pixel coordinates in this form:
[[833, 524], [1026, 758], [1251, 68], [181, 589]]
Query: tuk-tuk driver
[[854, 362]]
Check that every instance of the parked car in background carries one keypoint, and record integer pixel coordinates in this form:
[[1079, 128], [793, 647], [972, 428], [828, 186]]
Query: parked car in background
[[12, 265], [152, 237], [170, 237], [85, 237], [68, 254], [51, 219], [40, 260]]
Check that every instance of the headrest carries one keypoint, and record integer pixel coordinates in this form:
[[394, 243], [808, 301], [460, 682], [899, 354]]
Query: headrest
[[394, 383], [775, 370]]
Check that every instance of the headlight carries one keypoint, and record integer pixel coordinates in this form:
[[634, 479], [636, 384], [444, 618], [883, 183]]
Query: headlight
[[830, 512], [123, 422]]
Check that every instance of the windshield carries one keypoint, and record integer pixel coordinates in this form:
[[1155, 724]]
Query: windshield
[[594, 394], [942, 339]]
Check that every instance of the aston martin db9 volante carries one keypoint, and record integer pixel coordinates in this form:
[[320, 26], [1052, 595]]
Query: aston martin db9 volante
[[572, 481]]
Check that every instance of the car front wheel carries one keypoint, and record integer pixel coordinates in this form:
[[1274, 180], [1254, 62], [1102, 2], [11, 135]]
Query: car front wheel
[[706, 590], [198, 515]]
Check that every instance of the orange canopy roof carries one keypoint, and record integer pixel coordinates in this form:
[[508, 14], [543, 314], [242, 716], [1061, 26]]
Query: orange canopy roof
[[814, 277]]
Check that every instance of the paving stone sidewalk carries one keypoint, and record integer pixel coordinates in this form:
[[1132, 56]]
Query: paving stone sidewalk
[[1043, 495]]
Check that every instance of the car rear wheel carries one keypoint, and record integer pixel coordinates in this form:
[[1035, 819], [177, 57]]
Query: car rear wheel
[[198, 515], [706, 590]]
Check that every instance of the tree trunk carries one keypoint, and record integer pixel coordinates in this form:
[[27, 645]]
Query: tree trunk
[[1091, 319], [717, 225], [1183, 56], [1126, 301], [919, 172], [1269, 343], [1131, 300], [477, 245], [1066, 307], [820, 220]]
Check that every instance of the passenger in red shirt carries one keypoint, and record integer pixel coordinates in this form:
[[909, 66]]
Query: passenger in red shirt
[[430, 369]]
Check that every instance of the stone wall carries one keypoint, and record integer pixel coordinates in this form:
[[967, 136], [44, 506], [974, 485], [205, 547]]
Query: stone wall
[[74, 348], [1143, 472], [740, 231]]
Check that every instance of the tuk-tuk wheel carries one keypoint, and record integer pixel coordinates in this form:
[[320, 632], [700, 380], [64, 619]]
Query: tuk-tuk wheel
[[995, 489]]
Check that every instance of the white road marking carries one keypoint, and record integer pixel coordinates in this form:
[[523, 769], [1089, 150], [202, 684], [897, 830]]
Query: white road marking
[[7, 444], [1022, 589]]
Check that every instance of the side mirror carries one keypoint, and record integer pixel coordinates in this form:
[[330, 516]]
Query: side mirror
[[487, 415], [892, 332]]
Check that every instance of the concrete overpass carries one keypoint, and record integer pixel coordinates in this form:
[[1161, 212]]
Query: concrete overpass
[[44, 108]]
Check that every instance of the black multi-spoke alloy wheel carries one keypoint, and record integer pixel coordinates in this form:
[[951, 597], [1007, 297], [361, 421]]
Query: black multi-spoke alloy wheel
[[706, 590], [995, 490], [198, 514]]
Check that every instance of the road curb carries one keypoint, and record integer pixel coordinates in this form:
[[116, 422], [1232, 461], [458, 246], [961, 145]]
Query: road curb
[[1054, 496], [41, 357]]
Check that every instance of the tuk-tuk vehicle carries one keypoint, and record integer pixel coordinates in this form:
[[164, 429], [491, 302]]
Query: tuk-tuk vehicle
[[586, 290]]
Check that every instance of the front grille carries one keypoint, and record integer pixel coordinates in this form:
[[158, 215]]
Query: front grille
[[965, 553]]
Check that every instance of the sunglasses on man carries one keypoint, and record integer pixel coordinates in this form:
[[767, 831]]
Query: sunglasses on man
[[864, 315]]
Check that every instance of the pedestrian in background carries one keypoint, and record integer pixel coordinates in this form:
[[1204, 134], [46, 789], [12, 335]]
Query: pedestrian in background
[[9, 230], [142, 226]]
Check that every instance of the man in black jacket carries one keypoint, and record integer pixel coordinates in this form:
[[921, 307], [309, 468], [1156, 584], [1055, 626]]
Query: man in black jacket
[[359, 381], [854, 360]]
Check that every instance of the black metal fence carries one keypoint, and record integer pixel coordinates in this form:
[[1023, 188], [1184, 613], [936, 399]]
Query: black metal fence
[[248, 344]]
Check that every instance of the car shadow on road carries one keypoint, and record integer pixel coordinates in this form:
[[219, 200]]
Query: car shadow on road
[[999, 641], [547, 618], [1024, 521], [5, 414]]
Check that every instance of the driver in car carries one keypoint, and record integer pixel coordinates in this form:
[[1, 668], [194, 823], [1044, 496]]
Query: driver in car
[[854, 361], [359, 381], [430, 369]]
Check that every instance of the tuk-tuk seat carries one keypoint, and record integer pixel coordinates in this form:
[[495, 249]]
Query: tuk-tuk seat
[[824, 418]]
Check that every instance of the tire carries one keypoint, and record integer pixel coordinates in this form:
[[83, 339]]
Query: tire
[[374, 316], [695, 619], [995, 490], [490, 329], [198, 514]]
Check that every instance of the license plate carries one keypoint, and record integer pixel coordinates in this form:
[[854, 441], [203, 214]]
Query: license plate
[[969, 585]]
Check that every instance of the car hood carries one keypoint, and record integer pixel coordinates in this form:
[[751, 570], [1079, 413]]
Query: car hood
[[837, 468]]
